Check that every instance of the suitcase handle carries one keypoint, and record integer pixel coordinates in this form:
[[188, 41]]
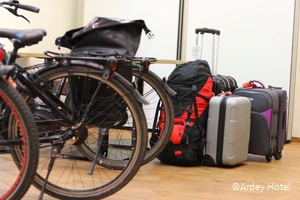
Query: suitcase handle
[[207, 30], [259, 82], [273, 87]]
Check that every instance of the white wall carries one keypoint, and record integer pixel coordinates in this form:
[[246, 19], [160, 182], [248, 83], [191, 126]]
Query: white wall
[[256, 41], [161, 18], [256, 37], [55, 16]]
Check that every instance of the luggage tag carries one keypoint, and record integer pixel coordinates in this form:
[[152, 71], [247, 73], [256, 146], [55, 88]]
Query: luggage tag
[[196, 52]]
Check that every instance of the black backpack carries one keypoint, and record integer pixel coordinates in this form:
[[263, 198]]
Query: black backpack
[[193, 84]]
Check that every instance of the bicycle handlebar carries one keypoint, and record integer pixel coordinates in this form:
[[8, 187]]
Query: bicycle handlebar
[[29, 8], [14, 3], [17, 5]]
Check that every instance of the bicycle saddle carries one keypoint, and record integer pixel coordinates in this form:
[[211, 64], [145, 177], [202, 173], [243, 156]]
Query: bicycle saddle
[[25, 37]]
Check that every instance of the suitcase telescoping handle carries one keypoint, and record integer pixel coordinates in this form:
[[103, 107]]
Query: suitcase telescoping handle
[[215, 49], [207, 30]]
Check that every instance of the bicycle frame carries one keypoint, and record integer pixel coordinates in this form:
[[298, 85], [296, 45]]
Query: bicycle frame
[[36, 88]]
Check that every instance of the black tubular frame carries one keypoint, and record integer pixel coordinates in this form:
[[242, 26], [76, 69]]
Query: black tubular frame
[[34, 88]]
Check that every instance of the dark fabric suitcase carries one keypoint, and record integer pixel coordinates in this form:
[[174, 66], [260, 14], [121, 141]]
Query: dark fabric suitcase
[[281, 136], [222, 83], [228, 131], [264, 117], [282, 119]]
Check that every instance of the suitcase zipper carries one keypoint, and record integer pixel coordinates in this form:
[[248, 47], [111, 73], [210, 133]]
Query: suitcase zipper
[[221, 127]]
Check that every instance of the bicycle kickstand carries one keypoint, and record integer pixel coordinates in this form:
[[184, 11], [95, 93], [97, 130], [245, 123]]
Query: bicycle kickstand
[[55, 153], [101, 148]]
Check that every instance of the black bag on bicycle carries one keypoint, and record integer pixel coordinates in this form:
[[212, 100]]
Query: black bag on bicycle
[[193, 84], [104, 37]]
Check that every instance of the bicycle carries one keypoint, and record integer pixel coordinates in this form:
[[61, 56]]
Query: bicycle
[[141, 74], [74, 116], [157, 86], [23, 138], [146, 79]]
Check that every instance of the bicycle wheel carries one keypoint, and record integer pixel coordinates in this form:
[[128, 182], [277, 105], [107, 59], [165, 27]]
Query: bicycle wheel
[[154, 92], [72, 176], [18, 144], [159, 99]]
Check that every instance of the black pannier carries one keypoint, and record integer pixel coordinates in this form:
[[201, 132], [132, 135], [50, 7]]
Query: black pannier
[[104, 37], [109, 109]]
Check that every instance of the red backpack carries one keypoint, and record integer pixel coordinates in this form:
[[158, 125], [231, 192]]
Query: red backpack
[[193, 83]]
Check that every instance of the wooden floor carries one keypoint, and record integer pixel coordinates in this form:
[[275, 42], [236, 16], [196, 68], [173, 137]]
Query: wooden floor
[[254, 179]]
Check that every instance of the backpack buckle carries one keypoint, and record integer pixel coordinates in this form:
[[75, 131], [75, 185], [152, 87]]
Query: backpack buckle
[[187, 123]]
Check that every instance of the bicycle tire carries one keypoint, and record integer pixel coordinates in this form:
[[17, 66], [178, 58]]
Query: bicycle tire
[[163, 140], [131, 168], [29, 159]]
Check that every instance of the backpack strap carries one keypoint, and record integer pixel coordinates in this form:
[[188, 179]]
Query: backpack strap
[[193, 102], [190, 110], [202, 97], [183, 147], [201, 146], [198, 147]]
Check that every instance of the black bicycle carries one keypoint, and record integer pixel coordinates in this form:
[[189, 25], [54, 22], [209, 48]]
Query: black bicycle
[[69, 97], [155, 91]]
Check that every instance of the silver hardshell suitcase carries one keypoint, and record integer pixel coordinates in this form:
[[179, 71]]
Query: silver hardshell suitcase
[[228, 130]]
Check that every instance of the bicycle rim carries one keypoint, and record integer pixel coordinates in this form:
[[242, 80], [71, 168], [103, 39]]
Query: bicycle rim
[[70, 179], [17, 124]]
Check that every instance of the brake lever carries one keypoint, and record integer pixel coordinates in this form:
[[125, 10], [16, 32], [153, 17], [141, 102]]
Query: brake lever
[[14, 12], [23, 17]]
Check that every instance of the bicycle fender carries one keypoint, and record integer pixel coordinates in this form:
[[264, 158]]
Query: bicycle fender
[[100, 67], [130, 87], [125, 82], [170, 91]]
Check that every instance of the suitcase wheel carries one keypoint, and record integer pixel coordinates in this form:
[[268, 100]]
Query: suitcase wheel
[[278, 155], [208, 161], [268, 158]]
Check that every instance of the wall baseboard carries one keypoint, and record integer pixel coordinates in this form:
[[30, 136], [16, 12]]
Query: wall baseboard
[[295, 139]]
